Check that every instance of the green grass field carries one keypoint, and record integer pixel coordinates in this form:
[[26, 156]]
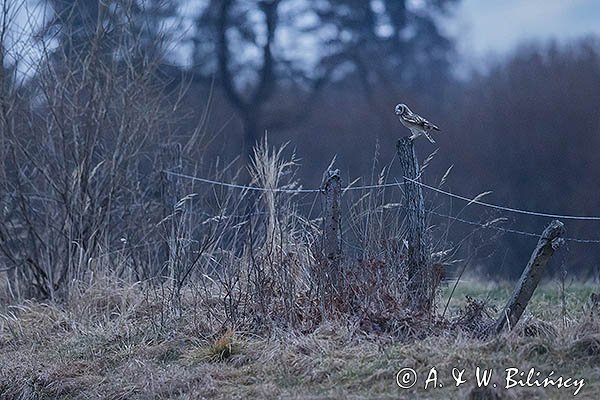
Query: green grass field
[[107, 344]]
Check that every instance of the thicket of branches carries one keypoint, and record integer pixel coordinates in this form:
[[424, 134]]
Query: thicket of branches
[[76, 139], [90, 189]]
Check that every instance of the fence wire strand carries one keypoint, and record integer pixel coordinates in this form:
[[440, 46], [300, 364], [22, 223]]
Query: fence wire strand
[[504, 208], [508, 230], [278, 190], [396, 184]]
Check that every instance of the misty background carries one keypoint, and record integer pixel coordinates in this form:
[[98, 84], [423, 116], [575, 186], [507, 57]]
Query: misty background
[[514, 87]]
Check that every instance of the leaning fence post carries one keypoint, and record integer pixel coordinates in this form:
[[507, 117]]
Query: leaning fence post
[[420, 277], [531, 276], [332, 238]]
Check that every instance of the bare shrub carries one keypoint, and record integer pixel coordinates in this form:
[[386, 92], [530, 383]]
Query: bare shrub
[[74, 185]]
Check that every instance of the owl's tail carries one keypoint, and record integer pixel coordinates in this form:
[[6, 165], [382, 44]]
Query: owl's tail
[[429, 125], [428, 136]]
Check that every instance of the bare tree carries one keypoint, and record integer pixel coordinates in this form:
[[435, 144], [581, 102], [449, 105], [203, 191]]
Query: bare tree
[[239, 43]]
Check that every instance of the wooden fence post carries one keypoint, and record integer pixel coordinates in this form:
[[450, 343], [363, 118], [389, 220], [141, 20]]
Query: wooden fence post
[[332, 238], [169, 159], [530, 278], [421, 288]]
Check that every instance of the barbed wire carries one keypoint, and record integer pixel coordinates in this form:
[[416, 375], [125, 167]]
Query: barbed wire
[[488, 225], [504, 208], [395, 184], [491, 225], [280, 190], [242, 187], [384, 185]]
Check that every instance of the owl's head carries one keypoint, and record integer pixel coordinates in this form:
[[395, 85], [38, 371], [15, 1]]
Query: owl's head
[[400, 109]]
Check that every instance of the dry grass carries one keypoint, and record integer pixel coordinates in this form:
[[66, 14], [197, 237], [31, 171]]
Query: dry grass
[[106, 344], [242, 316]]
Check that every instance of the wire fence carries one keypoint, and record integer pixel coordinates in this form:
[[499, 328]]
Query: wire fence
[[277, 190], [432, 188], [489, 225], [504, 208]]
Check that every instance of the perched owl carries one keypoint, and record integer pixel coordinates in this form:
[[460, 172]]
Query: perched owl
[[418, 125]]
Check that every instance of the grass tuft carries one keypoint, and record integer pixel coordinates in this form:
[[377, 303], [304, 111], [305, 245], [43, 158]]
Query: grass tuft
[[223, 347]]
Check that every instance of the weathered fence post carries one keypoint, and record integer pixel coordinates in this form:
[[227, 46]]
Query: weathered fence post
[[331, 277], [169, 159], [531, 276], [420, 276]]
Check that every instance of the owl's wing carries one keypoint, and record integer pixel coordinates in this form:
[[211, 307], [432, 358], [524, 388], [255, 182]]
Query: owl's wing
[[414, 119], [429, 125], [419, 121]]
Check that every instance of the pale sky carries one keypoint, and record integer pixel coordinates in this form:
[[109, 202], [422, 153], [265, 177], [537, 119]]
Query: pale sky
[[496, 26], [482, 28]]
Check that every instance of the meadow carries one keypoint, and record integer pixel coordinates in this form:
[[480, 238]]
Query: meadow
[[108, 343], [165, 234]]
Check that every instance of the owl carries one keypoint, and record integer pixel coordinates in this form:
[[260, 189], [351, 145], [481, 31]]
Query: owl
[[418, 125]]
